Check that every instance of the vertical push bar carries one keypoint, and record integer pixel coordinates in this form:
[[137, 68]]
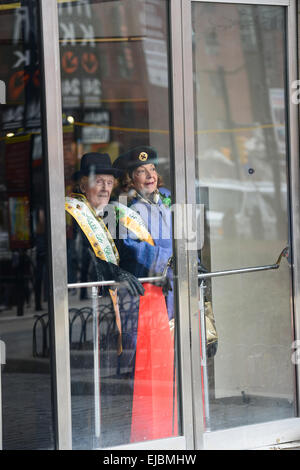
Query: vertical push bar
[[205, 390], [96, 362]]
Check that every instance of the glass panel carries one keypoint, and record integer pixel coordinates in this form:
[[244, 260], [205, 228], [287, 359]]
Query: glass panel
[[241, 178], [115, 94], [24, 329]]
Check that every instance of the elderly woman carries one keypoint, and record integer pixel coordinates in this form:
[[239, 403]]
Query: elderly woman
[[152, 201], [154, 403]]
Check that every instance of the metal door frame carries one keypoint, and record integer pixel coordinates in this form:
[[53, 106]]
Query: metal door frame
[[56, 211], [58, 298], [271, 433]]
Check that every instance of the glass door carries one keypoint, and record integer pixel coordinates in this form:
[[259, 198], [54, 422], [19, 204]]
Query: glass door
[[242, 182], [119, 187]]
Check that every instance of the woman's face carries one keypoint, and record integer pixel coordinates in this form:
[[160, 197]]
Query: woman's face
[[145, 179]]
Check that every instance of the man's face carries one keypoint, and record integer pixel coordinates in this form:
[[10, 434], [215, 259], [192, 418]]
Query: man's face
[[98, 189]]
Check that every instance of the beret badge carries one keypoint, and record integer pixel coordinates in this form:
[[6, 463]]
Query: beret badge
[[143, 156]]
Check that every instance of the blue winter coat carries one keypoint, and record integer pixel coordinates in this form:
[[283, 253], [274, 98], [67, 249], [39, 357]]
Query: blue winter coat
[[142, 259]]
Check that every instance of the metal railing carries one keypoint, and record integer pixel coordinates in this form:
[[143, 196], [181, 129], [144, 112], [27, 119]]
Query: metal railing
[[284, 254], [229, 272], [113, 283]]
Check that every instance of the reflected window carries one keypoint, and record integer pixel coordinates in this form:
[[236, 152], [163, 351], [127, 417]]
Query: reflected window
[[24, 315], [241, 178]]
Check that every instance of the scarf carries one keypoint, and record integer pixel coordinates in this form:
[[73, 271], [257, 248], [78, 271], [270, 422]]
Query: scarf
[[96, 231]]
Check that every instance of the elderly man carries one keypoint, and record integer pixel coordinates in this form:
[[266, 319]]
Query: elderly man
[[87, 209]]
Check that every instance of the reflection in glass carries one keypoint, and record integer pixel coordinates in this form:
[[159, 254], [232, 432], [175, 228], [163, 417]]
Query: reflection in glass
[[115, 97], [241, 168], [24, 322]]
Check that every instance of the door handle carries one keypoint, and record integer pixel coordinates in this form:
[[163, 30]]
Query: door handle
[[284, 254], [205, 275]]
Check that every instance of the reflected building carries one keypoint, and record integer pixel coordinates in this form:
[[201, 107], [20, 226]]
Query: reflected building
[[114, 78]]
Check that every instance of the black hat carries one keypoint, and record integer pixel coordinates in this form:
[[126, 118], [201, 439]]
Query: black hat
[[136, 157], [96, 163]]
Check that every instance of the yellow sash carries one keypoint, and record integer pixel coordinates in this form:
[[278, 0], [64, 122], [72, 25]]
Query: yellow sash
[[94, 229]]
